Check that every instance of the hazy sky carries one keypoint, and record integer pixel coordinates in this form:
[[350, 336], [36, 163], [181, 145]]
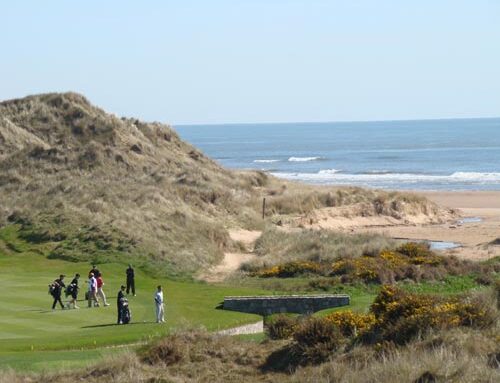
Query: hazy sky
[[258, 60]]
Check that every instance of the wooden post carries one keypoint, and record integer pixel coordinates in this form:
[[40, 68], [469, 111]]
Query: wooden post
[[264, 208]]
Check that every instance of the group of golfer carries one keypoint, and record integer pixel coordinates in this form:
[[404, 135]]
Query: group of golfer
[[95, 294]]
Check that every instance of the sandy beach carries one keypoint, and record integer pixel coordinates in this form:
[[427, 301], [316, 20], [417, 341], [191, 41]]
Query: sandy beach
[[472, 222], [475, 237]]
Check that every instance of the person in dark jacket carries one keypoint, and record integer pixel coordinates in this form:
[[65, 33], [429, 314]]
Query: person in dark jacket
[[130, 280], [119, 303], [58, 286], [73, 291], [94, 271]]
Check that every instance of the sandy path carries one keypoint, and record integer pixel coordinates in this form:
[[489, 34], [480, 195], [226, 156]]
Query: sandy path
[[247, 237], [233, 261]]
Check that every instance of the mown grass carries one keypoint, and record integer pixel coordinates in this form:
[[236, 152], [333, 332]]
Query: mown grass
[[40, 361], [29, 328]]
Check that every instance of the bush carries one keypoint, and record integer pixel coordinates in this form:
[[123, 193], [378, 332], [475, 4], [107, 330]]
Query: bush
[[324, 284], [291, 269], [366, 269], [402, 316], [411, 260], [281, 327], [167, 351], [350, 323], [419, 253], [497, 292], [316, 339]]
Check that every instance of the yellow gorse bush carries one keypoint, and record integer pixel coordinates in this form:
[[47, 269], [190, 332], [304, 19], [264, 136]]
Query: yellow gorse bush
[[413, 261], [350, 323], [290, 269], [400, 316]]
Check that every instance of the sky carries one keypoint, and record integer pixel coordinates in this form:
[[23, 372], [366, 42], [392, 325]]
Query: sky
[[234, 61]]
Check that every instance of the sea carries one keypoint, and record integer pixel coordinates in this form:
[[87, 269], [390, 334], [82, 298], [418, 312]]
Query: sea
[[455, 154]]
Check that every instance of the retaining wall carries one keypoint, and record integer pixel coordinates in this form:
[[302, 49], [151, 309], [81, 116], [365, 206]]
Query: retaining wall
[[300, 304]]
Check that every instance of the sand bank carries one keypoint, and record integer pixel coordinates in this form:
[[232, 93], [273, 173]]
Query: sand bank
[[475, 237]]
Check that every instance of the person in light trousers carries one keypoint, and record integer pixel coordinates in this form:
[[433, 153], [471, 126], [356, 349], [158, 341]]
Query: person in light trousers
[[100, 291], [92, 293], [160, 311]]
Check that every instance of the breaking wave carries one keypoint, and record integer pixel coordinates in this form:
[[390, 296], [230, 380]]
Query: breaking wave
[[266, 161], [386, 179], [303, 159]]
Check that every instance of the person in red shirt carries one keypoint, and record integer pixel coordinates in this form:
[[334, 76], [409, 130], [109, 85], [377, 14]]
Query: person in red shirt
[[100, 292]]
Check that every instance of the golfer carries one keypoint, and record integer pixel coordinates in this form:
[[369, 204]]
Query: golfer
[[93, 290], [73, 291], [130, 279], [57, 289], [160, 311], [119, 303], [100, 291]]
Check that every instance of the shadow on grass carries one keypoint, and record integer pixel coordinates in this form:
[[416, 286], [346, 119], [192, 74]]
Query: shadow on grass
[[116, 324], [283, 360]]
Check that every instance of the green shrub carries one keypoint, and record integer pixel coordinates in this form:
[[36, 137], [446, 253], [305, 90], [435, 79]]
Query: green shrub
[[497, 292], [402, 316], [291, 269], [316, 339], [281, 327]]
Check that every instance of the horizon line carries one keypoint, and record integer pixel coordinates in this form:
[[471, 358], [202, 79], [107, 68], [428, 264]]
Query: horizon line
[[335, 122]]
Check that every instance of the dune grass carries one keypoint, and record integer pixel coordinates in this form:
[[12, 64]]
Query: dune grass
[[277, 246], [107, 188]]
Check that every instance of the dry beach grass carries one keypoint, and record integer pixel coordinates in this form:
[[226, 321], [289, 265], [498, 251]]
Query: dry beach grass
[[104, 187]]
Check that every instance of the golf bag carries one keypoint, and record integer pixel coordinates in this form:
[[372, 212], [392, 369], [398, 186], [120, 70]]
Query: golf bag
[[126, 315]]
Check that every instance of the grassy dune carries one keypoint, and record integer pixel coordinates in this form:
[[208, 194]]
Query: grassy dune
[[103, 188]]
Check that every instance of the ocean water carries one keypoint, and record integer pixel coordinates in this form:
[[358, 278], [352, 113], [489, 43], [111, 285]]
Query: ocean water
[[424, 155]]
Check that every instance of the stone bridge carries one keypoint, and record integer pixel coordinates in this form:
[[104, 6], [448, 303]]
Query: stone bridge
[[300, 304]]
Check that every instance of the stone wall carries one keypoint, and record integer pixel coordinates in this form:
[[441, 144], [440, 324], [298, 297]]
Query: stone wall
[[300, 304]]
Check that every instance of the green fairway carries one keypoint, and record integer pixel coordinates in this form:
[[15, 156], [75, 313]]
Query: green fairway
[[28, 326], [36, 361]]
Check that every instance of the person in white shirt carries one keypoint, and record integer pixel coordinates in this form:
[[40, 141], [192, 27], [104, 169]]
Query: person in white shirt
[[93, 290], [160, 312]]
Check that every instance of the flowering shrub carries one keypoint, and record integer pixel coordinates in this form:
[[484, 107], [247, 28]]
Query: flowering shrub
[[401, 316], [410, 261], [393, 259], [350, 323], [290, 269], [366, 269], [419, 254], [390, 266]]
